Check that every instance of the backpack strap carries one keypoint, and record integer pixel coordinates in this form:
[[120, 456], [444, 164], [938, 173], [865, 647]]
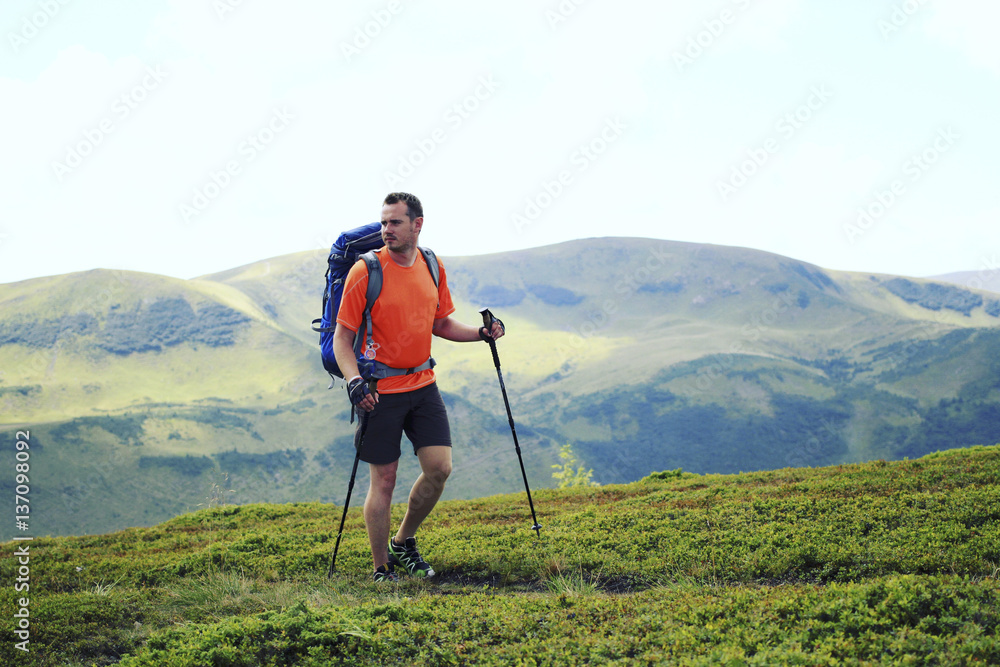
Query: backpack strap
[[317, 324], [374, 289], [432, 265], [380, 371]]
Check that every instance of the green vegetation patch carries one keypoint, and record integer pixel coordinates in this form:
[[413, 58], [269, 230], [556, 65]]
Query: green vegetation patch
[[234, 461], [669, 427], [554, 296], [21, 390], [44, 333], [191, 466], [878, 562], [151, 327], [936, 515], [934, 296], [500, 296], [127, 428], [168, 322], [93, 627], [903, 619]]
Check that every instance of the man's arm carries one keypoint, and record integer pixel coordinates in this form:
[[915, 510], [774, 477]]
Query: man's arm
[[343, 350], [451, 329]]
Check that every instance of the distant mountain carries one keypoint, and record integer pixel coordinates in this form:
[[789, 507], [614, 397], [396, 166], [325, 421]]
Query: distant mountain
[[987, 279], [148, 396]]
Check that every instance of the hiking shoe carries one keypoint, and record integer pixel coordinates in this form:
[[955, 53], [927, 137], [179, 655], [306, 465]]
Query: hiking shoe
[[408, 557], [385, 573]]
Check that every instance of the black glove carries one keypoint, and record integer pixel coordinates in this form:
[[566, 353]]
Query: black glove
[[484, 333], [357, 389]]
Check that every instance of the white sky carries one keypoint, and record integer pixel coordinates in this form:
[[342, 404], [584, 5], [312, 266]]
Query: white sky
[[758, 123]]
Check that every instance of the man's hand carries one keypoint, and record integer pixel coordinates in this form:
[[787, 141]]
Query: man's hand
[[495, 331], [361, 395]]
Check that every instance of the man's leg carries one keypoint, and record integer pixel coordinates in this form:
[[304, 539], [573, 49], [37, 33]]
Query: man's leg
[[435, 466], [378, 502]]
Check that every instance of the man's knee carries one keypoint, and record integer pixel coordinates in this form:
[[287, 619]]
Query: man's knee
[[435, 463], [383, 479]]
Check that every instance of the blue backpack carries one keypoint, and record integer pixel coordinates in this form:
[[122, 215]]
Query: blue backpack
[[350, 246]]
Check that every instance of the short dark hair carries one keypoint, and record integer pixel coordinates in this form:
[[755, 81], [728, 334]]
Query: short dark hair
[[414, 209]]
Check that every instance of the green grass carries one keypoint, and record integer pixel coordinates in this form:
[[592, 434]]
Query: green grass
[[887, 563]]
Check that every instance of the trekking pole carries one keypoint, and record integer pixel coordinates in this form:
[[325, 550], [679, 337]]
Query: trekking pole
[[350, 485], [488, 321]]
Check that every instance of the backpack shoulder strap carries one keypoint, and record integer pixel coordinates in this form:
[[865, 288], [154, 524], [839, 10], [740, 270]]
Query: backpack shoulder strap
[[374, 289], [374, 278], [432, 265]]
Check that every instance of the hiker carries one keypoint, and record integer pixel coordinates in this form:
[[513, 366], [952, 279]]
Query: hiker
[[407, 312]]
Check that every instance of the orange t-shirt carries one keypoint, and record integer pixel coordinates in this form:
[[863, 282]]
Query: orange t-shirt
[[402, 318]]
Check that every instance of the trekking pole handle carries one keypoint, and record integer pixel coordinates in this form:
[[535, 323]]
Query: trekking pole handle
[[488, 320], [373, 389]]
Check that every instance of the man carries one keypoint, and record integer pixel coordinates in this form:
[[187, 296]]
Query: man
[[407, 313]]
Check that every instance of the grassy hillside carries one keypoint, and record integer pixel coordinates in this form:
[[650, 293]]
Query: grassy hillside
[[882, 562], [147, 391]]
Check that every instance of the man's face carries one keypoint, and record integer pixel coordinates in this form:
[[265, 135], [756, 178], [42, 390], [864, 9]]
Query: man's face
[[398, 231]]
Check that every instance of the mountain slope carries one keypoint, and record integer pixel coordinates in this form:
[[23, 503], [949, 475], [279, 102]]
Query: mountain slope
[[643, 354]]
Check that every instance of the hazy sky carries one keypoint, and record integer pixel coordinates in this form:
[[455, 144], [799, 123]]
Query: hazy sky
[[184, 137]]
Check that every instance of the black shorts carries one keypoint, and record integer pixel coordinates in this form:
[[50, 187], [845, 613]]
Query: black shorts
[[420, 414]]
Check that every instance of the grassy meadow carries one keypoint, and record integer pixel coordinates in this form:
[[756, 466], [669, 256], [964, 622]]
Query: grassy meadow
[[870, 563]]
